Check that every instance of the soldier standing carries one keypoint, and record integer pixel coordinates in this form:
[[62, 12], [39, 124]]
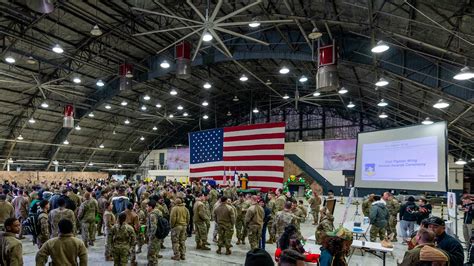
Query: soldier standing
[[245, 206], [303, 209], [153, 242], [315, 204], [254, 221], [20, 204], [11, 248], [393, 208], [326, 224], [132, 220], [299, 217], [59, 214], [102, 202], [239, 220], [43, 236], [179, 219], [213, 194], [280, 201], [272, 207], [141, 232], [366, 204], [225, 218], [189, 204], [201, 218], [282, 220], [109, 222], [86, 215], [123, 240], [6, 210]]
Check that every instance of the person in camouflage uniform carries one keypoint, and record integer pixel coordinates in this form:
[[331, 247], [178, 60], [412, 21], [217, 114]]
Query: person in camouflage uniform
[[213, 195], [393, 208], [145, 198], [142, 224], [326, 224], [86, 215], [201, 218], [272, 207], [123, 240], [366, 204], [303, 210], [299, 217], [254, 221], [315, 204], [282, 220], [109, 222], [60, 213], [239, 218], [153, 242], [44, 223], [245, 206], [280, 201], [102, 202], [207, 208], [179, 220], [225, 218]]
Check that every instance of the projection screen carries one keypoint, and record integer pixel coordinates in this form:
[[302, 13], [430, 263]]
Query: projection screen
[[411, 158]]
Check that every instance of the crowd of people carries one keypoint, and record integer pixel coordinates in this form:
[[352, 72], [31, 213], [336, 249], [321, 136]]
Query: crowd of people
[[65, 218]]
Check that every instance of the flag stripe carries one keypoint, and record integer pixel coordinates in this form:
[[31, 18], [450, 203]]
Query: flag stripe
[[255, 137], [253, 132], [255, 147], [218, 174], [239, 168], [253, 158], [253, 142], [246, 153], [224, 165], [255, 126]]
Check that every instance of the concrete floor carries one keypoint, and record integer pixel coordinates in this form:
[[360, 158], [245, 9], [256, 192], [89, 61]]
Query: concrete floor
[[199, 257]]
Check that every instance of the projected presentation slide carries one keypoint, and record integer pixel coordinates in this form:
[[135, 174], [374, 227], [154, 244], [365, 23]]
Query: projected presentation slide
[[411, 160]]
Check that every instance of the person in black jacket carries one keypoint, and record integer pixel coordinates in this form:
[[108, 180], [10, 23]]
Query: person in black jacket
[[408, 217], [446, 242], [424, 210], [266, 219], [189, 204]]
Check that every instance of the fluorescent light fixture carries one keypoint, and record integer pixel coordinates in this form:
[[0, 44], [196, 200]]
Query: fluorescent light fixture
[[342, 90], [460, 162], [316, 93], [207, 37], [100, 83], [205, 117], [382, 103], [30, 60], [108, 107], [129, 74], [124, 103], [380, 47], [235, 99], [180, 107], [381, 82], [383, 115], [205, 103], [303, 79], [185, 114], [91, 164], [165, 64], [142, 138], [427, 121], [284, 70], [286, 97], [77, 80], [351, 105], [127, 121], [20, 137], [440, 104], [32, 120], [155, 128], [146, 97], [66, 142], [171, 116], [143, 108], [10, 60], [207, 85], [55, 162], [91, 114], [96, 31], [44, 105], [464, 74], [243, 78], [158, 105], [78, 127], [255, 110], [173, 92], [58, 49], [119, 166], [101, 146], [255, 23]]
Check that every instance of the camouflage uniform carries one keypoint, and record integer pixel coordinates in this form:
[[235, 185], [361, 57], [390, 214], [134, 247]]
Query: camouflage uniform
[[227, 193], [141, 233], [366, 204], [325, 225], [57, 215], [123, 240], [254, 221], [11, 248], [304, 211], [44, 225], [86, 215], [133, 221], [208, 222], [212, 200], [154, 244], [280, 203], [6, 211], [272, 207], [239, 220], [393, 208], [225, 218], [179, 219], [315, 204], [109, 221], [200, 222], [282, 220], [299, 218], [71, 252], [245, 207]]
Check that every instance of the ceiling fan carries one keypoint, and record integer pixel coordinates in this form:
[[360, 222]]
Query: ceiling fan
[[158, 117]]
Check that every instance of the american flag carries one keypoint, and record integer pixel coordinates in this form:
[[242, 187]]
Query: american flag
[[257, 150]]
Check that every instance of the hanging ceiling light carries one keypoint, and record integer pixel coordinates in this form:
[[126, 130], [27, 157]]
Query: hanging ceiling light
[[180, 107], [205, 103], [185, 114], [173, 92], [165, 64], [108, 107], [78, 127], [127, 121], [380, 47], [207, 37], [381, 82], [143, 108], [91, 164], [55, 162], [440, 104], [32, 120], [229, 113], [205, 117], [351, 105], [207, 85], [20, 137], [286, 97], [342, 90], [155, 128], [460, 162], [303, 79], [171, 116], [100, 83], [383, 115], [146, 97], [66, 142], [10, 60], [101, 146], [235, 99], [77, 80], [255, 110], [96, 31], [129, 74], [268, 82], [58, 49], [119, 166], [44, 104], [124, 103], [464, 74], [91, 114], [30, 60], [316, 93], [158, 105], [382, 103], [284, 70], [243, 78], [427, 121], [255, 23]]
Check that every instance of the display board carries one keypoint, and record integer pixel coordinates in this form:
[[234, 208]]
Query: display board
[[412, 158], [177, 159], [339, 154]]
